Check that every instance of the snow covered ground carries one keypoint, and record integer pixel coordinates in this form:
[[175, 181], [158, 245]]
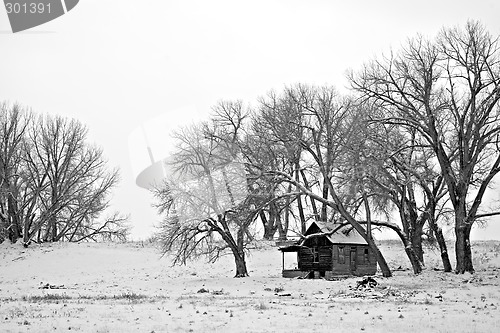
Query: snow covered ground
[[130, 288]]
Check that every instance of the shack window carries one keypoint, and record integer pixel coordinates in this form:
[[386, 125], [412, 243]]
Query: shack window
[[367, 256], [315, 254], [341, 255]]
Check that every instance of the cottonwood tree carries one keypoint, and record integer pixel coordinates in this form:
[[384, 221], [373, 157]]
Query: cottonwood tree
[[447, 90], [269, 205], [241, 132], [227, 130], [273, 211], [329, 126], [14, 121], [370, 186], [204, 201], [267, 149], [55, 186], [259, 152], [231, 128], [74, 186], [404, 173], [279, 122]]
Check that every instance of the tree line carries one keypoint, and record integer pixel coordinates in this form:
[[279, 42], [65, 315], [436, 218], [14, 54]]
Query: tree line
[[418, 134], [54, 185]]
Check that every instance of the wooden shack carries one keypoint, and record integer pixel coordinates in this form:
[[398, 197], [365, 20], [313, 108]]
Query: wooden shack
[[341, 252]]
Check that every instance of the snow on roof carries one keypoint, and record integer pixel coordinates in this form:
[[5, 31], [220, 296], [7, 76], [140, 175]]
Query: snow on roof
[[345, 234]]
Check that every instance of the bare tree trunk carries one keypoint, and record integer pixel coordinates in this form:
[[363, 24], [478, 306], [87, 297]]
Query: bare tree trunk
[[463, 250], [28, 221], [386, 271], [239, 254], [313, 202], [14, 228], [416, 241], [3, 222], [412, 256], [50, 232], [241, 266], [324, 206], [368, 216], [443, 249], [283, 226], [54, 229], [411, 242], [272, 223], [268, 232], [415, 262], [302, 217], [299, 200], [436, 230], [412, 236]]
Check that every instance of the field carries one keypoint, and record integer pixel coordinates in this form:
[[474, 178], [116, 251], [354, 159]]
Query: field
[[130, 288]]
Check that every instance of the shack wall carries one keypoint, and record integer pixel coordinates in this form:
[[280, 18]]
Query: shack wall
[[362, 262], [307, 259]]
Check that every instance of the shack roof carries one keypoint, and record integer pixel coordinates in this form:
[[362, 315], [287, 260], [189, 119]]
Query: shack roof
[[342, 235], [290, 248]]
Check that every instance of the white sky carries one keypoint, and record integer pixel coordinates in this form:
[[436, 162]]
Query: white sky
[[115, 65]]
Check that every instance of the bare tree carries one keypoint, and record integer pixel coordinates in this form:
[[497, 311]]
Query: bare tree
[[447, 90], [329, 125], [54, 184], [205, 202], [233, 127], [402, 171], [14, 120], [279, 123], [267, 150], [76, 182]]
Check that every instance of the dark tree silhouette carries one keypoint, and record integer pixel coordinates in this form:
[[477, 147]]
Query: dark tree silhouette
[[447, 90]]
